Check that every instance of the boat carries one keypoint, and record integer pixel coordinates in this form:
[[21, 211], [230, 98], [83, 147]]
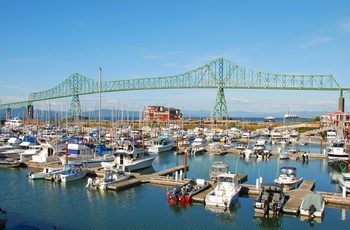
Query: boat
[[10, 163], [284, 156], [161, 144], [226, 191], [218, 168], [48, 152], [109, 176], [344, 181], [199, 142], [104, 155], [31, 151], [247, 152], [129, 157], [288, 177], [291, 116], [270, 201], [11, 148], [46, 172], [196, 150], [184, 193], [337, 151], [71, 172], [312, 206], [14, 123], [78, 150]]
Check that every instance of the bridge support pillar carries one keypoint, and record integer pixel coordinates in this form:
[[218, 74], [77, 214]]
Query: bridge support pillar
[[30, 112], [75, 109], [341, 103], [8, 113]]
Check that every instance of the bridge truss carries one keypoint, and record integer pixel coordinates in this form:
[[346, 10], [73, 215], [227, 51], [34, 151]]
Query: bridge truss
[[220, 74]]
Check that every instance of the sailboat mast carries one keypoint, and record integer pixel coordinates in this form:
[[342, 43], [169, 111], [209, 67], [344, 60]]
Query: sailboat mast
[[99, 112]]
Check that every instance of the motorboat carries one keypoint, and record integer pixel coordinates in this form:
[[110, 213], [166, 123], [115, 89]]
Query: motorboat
[[247, 152], [10, 163], [337, 151], [103, 155], [48, 153], [184, 193], [109, 176], [226, 191], [129, 157], [312, 205], [259, 147], [46, 172], [78, 150], [161, 144], [288, 177], [199, 142], [11, 148], [14, 123], [241, 145], [284, 156], [270, 201], [31, 151], [196, 150], [71, 172], [218, 168], [344, 181]]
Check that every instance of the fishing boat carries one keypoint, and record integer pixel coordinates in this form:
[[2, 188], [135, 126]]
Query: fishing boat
[[129, 157], [226, 191], [109, 176], [218, 168], [184, 193], [71, 172], [270, 201], [288, 177], [312, 206], [46, 172]]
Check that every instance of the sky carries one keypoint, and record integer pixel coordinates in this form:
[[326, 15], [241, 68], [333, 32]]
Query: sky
[[43, 42]]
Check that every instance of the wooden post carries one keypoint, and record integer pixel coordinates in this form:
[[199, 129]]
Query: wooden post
[[320, 145]]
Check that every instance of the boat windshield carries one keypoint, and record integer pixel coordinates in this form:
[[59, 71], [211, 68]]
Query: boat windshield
[[288, 171]]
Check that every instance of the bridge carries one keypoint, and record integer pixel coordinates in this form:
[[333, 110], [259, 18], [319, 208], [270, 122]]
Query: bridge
[[220, 74]]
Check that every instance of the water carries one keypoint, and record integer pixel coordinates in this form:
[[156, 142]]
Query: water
[[48, 205]]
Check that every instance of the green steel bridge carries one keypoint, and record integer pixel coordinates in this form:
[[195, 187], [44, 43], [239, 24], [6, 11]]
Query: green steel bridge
[[220, 74]]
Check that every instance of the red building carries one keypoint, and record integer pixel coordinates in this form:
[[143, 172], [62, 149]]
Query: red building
[[161, 113]]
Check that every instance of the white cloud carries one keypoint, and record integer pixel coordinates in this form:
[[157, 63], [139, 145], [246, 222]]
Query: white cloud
[[315, 41]]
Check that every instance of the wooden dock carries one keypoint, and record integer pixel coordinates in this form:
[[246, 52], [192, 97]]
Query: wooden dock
[[162, 177]]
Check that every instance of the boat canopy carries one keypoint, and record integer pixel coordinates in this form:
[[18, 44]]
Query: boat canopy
[[288, 170], [313, 199]]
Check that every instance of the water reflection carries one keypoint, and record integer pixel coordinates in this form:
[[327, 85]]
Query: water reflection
[[268, 222], [224, 214]]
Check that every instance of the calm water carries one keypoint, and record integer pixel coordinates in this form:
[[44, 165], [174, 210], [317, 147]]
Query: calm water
[[48, 205]]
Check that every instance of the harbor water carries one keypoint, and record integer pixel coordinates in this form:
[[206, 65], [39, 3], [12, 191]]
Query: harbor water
[[50, 205]]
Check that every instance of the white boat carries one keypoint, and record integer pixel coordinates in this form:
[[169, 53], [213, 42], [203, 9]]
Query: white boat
[[288, 177], [218, 168], [161, 144], [104, 155], [259, 147], [226, 191], [110, 176], [77, 151], [47, 171], [10, 163], [337, 151], [30, 152], [199, 142], [71, 172], [48, 153], [11, 148], [129, 157], [14, 123], [312, 206], [344, 181], [284, 156]]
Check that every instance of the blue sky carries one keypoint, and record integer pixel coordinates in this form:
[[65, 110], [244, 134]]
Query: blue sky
[[42, 43]]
